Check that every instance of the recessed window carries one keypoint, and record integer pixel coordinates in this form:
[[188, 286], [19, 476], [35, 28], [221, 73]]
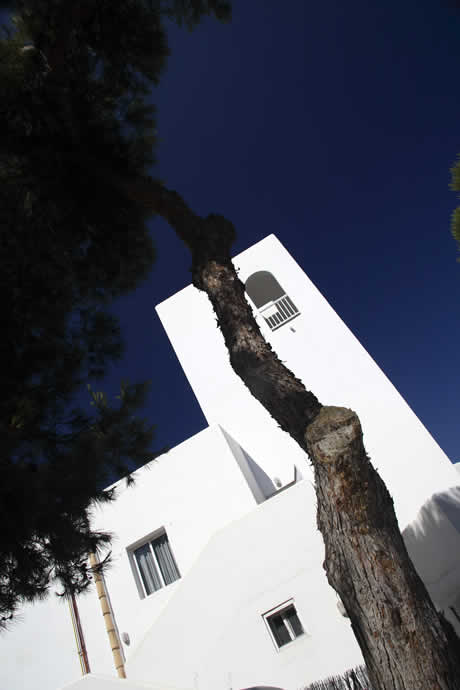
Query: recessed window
[[284, 624], [155, 566], [276, 307]]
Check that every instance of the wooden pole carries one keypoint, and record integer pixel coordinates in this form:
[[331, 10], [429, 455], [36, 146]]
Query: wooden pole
[[110, 626]]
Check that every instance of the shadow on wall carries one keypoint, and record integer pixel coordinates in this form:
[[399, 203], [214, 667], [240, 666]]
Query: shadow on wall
[[258, 481], [433, 543], [263, 480]]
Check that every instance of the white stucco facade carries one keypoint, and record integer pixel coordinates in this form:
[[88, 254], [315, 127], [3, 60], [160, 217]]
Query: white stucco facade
[[327, 357], [190, 492], [242, 548], [269, 556]]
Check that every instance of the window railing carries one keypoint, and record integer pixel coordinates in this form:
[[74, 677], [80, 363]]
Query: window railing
[[278, 313]]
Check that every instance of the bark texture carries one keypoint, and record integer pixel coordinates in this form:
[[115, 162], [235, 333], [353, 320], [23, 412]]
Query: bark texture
[[405, 643]]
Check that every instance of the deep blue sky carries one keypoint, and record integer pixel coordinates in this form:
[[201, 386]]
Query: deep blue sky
[[333, 128]]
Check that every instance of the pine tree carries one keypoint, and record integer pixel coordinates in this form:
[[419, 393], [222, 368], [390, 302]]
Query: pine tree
[[405, 643], [67, 253]]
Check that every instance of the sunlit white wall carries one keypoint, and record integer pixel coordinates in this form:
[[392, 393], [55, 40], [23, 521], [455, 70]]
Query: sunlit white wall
[[322, 351]]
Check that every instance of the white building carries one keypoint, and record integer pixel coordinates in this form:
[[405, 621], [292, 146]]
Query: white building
[[217, 578]]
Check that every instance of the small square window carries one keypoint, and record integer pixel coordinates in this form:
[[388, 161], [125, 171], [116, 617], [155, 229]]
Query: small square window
[[284, 624], [154, 565]]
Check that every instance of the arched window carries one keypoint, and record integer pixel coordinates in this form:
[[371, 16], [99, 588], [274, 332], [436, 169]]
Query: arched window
[[273, 304]]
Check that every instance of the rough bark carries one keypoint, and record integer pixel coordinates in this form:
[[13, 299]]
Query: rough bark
[[405, 643]]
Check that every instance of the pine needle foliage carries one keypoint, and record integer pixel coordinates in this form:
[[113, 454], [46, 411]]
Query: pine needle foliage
[[455, 186], [76, 80]]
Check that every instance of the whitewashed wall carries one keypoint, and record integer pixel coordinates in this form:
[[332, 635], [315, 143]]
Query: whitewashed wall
[[324, 353], [212, 636], [39, 651], [192, 491]]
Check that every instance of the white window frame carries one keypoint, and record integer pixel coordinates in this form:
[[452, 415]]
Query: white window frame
[[279, 609], [135, 566]]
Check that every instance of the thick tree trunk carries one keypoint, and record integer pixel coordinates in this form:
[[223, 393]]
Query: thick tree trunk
[[404, 641], [406, 645]]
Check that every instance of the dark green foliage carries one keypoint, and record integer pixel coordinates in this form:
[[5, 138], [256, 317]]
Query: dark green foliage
[[455, 185], [190, 12], [75, 80], [59, 471]]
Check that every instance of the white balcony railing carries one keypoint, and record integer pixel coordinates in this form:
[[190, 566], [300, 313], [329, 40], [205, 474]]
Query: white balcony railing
[[278, 313]]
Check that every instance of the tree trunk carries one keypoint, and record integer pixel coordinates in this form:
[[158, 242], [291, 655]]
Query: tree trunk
[[405, 643]]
